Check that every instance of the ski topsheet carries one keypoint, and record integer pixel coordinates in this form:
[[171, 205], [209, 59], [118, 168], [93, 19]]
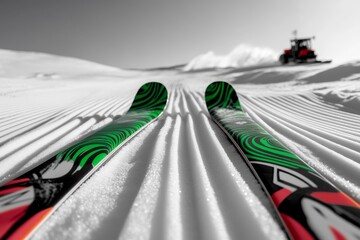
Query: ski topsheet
[[27, 200], [308, 205]]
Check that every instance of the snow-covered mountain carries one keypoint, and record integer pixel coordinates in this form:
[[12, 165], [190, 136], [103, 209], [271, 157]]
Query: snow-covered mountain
[[241, 56]]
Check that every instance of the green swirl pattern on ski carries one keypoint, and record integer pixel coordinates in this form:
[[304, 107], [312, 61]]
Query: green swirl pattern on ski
[[147, 105], [221, 95], [254, 141]]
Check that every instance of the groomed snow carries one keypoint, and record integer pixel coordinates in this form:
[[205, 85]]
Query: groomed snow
[[180, 178]]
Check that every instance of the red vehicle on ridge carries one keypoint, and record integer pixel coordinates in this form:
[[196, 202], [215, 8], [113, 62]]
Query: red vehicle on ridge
[[300, 52]]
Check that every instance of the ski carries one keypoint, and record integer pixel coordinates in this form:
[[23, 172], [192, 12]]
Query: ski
[[28, 200], [308, 205]]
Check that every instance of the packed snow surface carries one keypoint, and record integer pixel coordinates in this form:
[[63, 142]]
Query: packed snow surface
[[179, 178]]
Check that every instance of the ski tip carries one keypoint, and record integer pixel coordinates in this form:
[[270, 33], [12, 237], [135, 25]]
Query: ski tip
[[150, 96], [221, 95]]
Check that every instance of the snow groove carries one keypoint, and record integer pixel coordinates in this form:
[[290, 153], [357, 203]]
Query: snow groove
[[65, 127], [342, 171], [166, 184], [180, 178]]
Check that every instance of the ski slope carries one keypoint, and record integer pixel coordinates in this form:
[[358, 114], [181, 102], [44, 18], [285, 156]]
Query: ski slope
[[180, 178]]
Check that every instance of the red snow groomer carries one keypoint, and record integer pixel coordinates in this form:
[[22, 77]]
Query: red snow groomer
[[300, 52]]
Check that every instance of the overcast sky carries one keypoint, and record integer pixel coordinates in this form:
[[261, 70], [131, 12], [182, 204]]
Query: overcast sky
[[150, 33]]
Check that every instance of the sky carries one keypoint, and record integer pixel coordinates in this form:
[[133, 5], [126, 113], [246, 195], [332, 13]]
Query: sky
[[154, 33]]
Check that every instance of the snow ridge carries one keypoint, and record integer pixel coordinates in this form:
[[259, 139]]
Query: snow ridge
[[166, 184], [242, 56]]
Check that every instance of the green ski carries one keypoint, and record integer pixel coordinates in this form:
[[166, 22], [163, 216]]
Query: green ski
[[26, 201], [309, 205]]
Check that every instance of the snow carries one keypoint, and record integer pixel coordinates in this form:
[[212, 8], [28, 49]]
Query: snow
[[242, 56], [180, 178], [26, 64]]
